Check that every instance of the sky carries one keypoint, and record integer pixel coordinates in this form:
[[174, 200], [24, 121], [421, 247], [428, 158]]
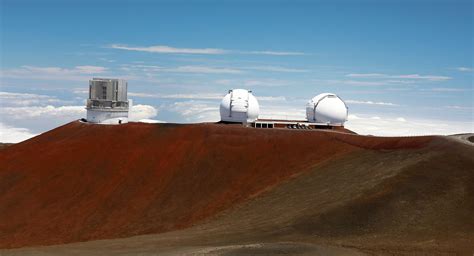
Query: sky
[[403, 67]]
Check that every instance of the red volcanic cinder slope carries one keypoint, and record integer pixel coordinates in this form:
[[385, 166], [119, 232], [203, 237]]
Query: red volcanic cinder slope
[[83, 182]]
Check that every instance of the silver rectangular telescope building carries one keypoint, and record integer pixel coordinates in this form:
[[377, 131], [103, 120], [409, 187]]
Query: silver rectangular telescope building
[[107, 102]]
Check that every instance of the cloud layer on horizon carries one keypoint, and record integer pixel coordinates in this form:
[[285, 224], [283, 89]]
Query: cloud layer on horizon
[[24, 115]]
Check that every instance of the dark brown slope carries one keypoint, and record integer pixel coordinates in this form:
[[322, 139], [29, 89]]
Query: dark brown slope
[[381, 202], [82, 182], [4, 145]]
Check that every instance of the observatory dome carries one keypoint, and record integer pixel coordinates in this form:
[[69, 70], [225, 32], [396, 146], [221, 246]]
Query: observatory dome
[[239, 106], [327, 108]]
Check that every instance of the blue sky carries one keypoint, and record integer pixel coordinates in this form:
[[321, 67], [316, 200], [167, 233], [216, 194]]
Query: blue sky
[[404, 67]]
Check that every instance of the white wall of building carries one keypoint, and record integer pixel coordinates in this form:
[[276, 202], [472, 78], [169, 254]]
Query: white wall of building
[[107, 117]]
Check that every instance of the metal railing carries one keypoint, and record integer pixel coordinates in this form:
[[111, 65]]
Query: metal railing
[[106, 104]]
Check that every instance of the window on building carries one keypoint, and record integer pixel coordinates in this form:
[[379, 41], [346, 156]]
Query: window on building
[[104, 92]]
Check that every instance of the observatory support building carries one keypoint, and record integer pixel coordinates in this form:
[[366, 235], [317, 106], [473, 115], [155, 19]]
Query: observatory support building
[[107, 102]]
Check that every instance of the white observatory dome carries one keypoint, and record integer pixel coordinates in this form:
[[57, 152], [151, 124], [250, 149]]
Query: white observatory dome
[[327, 108], [239, 106]]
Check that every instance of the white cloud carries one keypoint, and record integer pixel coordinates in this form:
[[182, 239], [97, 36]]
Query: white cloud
[[90, 69], [408, 76], [276, 53], [399, 126], [147, 67], [169, 49], [370, 82], [370, 103], [80, 91], [45, 112], [10, 134], [459, 107], [208, 111], [358, 83], [223, 82], [281, 112], [202, 70], [198, 96], [197, 111], [210, 70], [366, 75], [106, 60], [78, 73], [182, 69], [202, 96], [400, 81], [139, 112], [69, 112], [278, 69], [25, 99], [448, 90], [378, 79], [38, 119], [464, 69], [427, 77], [271, 98], [212, 51], [36, 112], [264, 83], [76, 112]]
